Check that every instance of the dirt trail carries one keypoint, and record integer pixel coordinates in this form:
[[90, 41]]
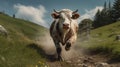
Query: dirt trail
[[75, 57]]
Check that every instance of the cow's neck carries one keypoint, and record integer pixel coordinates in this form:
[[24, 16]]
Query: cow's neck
[[64, 34]]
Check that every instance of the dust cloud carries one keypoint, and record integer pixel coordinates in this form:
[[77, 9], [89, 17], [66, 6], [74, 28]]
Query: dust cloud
[[46, 43]]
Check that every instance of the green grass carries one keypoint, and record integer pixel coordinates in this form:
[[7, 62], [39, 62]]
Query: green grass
[[18, 49], [103, 41]]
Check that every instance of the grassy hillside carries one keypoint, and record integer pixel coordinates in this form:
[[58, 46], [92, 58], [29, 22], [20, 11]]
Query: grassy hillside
[[103, 41], [18, 50]]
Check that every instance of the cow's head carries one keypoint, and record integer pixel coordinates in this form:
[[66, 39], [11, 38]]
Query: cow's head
[[65, 17]]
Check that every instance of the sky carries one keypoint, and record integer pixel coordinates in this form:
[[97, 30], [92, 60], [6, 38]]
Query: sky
[[39, 11]]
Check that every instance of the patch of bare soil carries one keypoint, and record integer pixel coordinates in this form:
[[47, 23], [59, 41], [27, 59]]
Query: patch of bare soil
[[75, 57]]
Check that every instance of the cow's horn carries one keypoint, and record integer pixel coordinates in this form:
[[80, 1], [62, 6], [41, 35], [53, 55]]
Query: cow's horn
[[55, 11], [75, 11]]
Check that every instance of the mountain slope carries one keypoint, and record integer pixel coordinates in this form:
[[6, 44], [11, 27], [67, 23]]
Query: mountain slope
[[18, 49], [103, 41]]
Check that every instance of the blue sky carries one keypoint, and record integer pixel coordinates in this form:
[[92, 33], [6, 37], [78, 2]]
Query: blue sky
[[45, 7]]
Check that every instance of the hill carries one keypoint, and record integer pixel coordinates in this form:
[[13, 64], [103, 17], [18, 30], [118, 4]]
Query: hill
[[18, 49], [103, 41]]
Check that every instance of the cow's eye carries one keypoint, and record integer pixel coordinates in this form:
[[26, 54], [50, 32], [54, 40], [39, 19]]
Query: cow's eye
[[55, 15], [75, 16], [58, 16]]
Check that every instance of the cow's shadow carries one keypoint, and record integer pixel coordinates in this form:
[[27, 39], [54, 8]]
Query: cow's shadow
[[41, 52]]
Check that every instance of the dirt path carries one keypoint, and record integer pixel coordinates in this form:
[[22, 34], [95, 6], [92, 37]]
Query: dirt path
[[76, 57]]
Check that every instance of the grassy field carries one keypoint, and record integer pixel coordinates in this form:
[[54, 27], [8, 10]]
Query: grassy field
[[18, 49], [103, 41]]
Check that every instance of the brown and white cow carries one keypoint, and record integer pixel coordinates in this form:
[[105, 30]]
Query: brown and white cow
[[64, 29]]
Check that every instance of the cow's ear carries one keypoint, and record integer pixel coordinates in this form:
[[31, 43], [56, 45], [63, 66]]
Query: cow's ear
[[55, 15], [75, 16]]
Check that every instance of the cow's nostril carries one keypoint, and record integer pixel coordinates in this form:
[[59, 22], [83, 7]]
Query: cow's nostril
[[65, 24]]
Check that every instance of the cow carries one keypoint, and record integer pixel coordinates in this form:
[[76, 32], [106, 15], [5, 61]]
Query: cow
[[63, 29]]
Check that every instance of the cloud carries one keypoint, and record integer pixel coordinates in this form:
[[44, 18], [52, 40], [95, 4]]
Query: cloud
[[33, 14], [90, 13]]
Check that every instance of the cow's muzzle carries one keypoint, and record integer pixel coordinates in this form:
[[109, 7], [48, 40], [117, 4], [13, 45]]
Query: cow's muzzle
[[65, 26]]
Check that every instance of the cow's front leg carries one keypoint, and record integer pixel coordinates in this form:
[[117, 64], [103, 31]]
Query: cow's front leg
[[70, 42], [68, 45], [58, 49], [59, 53]]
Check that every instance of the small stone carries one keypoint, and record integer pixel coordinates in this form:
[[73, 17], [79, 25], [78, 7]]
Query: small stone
[[80, 64], [80, 57], [90, 58], [3, 31], [89, 66], [85, 61], [69, 61], [3, 58], [118, 37], [101, 65], [78, 60], [84, 65]]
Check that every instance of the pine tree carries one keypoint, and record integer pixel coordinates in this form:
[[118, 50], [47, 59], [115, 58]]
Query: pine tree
[[96, 21], [103, 17], [110, 13], [109, 6], [105, 13], [116, 10], [100, 17]]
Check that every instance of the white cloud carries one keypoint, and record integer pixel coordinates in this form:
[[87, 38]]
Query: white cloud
[[90, 13], [33, 14]]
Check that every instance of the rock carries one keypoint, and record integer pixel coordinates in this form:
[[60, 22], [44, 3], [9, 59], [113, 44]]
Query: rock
[[118, 37], [80, 57], [85, 61], [80, 64], [3, 31], [89, 66], [101, 64], [84, 65], [69, 61], [90, 58], [78, 60], [2, 58]]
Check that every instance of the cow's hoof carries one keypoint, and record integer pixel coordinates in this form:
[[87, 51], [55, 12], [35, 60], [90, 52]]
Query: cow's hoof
[[60, 58], [63, 44], [67, 47]]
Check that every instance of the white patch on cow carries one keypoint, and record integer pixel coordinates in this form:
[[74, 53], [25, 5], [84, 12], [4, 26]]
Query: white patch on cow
[[65, 19]]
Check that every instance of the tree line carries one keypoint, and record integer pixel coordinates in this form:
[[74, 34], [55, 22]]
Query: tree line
[[108, 15]]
